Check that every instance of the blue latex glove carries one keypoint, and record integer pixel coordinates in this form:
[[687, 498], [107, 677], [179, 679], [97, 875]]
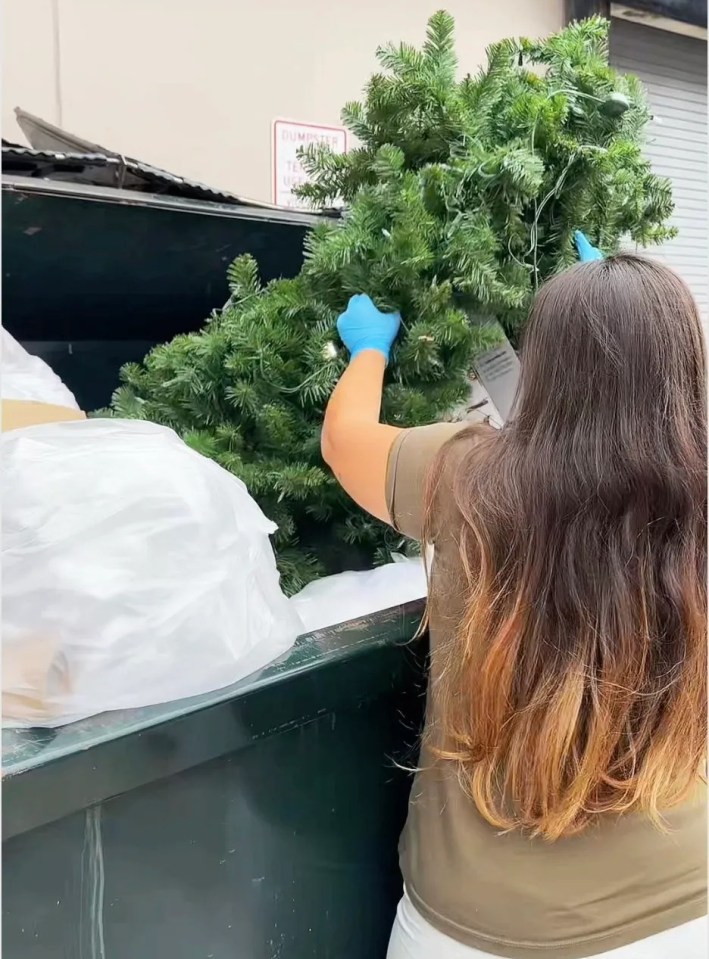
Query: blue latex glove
[[586, 251], [363, 327]]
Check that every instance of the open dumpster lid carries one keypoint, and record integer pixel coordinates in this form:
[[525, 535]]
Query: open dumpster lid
[[56, 154]]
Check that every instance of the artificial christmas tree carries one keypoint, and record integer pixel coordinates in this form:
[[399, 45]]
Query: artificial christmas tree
[[461, 198]]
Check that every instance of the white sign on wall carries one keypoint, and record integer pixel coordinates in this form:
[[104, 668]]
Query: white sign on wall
[[288, 137]]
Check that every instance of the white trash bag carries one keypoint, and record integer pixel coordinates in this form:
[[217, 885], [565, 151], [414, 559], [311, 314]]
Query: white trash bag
[[346, 596], [29, 378], [134, 572]]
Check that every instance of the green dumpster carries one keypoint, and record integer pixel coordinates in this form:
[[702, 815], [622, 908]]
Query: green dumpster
[[257, 822], [93, 277]]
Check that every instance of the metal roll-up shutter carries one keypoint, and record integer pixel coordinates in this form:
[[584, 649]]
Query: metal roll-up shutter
[[673, 69]]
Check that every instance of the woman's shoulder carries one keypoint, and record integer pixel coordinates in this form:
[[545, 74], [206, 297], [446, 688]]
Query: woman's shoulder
[[422, 458], [464, 446]]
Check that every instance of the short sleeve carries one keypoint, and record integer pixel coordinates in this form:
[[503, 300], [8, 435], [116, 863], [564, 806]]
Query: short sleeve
[[410, 460]]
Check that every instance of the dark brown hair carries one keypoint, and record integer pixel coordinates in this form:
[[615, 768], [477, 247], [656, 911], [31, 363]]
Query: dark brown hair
[[576, 684]]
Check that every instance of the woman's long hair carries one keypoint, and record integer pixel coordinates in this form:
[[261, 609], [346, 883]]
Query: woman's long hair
[[576, 682]]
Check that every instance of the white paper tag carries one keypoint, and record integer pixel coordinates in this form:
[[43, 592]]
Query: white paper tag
[[478, 405], [497, 370]]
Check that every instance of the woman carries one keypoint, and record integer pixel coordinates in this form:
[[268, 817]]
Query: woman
[[559, 809]]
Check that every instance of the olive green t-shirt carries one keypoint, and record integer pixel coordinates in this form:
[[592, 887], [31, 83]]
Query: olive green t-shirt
[[618, 882]]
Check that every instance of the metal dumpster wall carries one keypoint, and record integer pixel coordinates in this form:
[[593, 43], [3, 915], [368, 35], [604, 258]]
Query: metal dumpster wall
[[285, 850], [94, 277], [93, 263], [262, 822], [284, 847]]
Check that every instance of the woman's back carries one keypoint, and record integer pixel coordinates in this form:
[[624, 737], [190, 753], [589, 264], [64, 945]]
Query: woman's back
[[559, 806], [619, 880]]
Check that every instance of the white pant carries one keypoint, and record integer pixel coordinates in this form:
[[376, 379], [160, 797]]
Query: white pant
[[414, 938]]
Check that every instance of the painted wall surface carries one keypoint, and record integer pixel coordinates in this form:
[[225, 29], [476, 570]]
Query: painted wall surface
[[195, 86]]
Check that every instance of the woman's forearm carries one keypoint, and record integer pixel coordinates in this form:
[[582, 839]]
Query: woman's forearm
[[358, 395], [354, 443]]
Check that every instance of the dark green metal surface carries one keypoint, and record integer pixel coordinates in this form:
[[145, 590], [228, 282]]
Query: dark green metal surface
[[94, 277], [84, 263], [91, 367], [260, 822], [257, 822]]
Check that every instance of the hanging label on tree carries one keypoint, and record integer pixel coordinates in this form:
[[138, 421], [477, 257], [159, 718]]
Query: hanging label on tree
[[498, 371], [477, 406], [289, 137]]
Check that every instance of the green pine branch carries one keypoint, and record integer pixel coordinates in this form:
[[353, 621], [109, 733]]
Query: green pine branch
[[461, 196]]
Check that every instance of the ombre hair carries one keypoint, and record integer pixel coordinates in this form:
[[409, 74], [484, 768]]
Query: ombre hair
[[575, 685]]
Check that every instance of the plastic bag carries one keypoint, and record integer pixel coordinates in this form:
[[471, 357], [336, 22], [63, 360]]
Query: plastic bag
[[27, 377], [134, 572], [345, 596]]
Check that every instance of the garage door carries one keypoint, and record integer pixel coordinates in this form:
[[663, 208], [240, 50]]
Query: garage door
[[674, 71]]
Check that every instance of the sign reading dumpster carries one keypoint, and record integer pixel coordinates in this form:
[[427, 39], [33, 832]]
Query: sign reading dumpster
[[288, 137]]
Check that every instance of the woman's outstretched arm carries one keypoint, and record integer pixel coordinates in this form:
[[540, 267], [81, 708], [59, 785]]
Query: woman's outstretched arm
[[355, 445]]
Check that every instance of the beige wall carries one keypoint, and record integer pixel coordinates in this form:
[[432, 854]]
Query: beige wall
[[194, 85]]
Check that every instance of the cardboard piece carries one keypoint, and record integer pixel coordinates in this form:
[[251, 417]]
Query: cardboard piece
[[34, 678], [32, 672], [18, 414]]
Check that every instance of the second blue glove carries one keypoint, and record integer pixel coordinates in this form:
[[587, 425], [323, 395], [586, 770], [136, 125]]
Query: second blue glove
[[586, 250], [363, 327]]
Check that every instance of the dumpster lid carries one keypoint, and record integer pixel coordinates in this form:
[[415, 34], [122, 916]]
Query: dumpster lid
[[56, 154]]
